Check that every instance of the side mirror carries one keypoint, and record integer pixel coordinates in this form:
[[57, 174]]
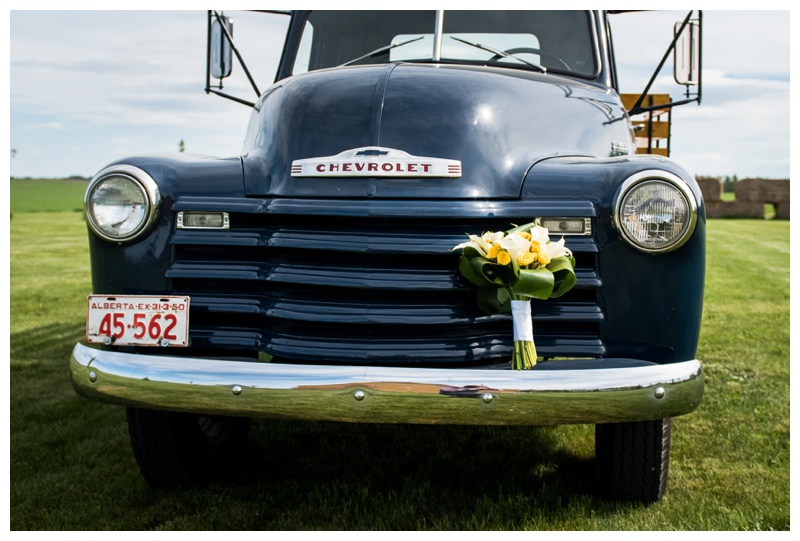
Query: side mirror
[[220, 47], [687, 53]]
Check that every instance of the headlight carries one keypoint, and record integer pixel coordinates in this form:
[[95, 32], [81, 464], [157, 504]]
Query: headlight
[[121, 202], [655, 211]]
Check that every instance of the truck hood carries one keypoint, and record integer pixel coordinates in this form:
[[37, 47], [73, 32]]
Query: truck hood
[[429, 131]]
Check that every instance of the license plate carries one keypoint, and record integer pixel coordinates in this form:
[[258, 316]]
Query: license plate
[[138, 320]]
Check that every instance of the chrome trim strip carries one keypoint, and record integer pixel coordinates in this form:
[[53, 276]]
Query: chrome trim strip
[[388, 395], [374, 161]]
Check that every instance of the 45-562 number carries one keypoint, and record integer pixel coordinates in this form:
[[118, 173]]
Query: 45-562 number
[[114, 325], [136, 320]]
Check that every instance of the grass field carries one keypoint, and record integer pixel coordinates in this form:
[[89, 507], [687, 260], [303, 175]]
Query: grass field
[[72, 469], [47, 195]]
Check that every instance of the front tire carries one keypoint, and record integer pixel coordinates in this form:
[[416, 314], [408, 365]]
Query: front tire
[[177, 449], [633, 459]]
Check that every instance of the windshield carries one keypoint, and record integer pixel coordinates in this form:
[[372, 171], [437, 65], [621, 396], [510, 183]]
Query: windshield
[[558, 41]]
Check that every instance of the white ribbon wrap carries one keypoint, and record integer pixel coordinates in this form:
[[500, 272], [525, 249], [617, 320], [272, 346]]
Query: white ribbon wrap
[[523, 325]]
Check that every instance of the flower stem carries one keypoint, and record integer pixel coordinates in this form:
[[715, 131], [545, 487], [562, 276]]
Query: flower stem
[[524, 357]]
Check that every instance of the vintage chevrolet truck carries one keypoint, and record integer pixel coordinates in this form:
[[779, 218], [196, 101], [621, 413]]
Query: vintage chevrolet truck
[[313, 276]]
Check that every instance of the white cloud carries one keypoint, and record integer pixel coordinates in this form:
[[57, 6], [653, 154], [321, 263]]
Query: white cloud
[[141, 74], [44, 126]]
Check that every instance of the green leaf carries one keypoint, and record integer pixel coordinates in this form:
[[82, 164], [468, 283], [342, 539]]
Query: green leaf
[[536, 283], [494, 300], [564, 278], [521, 228], [490, 272], [469, 252], [465, 267]]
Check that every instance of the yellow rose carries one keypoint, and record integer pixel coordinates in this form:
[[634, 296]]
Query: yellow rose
[[525, 259], [503, 257], [543, 259], [493, 251], [535, 251]]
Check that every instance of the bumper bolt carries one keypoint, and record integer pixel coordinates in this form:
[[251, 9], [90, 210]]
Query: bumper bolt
[[236, 390], [92, 376], [487, 398], [164, 342], [359, 395], [107, 340], [660, 393]]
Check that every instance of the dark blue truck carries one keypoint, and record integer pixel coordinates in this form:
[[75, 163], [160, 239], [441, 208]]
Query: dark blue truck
[[313, 276]]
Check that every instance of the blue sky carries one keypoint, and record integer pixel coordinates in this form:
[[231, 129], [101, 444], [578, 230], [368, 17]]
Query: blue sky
[[89, 87]]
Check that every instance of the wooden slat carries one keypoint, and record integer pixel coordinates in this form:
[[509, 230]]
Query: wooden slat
[[656, 123], [660, 151]]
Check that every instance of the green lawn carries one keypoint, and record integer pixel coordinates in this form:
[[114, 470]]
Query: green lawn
[[72, 468], [42, 195]]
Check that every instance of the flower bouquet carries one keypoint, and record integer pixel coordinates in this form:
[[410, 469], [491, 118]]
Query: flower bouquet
[[512, 267]]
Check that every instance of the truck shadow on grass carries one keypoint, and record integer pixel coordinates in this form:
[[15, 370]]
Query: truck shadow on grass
[[45, 345], [448, 477]]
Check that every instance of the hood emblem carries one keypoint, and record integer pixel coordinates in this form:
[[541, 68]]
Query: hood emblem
[[376, 162]]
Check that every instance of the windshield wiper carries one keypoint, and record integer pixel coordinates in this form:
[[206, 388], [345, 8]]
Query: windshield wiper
[[498, 52], [380, 50]]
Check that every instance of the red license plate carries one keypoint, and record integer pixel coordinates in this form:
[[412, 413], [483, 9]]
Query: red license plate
[[138, 320]]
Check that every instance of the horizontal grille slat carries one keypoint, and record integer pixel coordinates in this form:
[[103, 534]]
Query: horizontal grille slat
[[322, 275], [332, 346], [354, 241], [413, 240], [381, 310], [370, 284]]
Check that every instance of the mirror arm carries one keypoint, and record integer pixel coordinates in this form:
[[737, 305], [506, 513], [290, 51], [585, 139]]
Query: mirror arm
[[230, 97], [638, 105], [236, 52], [638, 110]]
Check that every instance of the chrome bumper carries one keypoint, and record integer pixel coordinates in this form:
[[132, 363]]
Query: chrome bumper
[[388, 395]]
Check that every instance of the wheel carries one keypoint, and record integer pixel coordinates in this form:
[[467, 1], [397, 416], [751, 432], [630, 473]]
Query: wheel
[[175, 449], [633, 459]]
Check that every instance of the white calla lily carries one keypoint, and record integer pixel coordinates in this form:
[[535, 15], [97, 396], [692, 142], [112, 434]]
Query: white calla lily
[[471, 244], [556, 249], [540, 235], [483, 243], [515, 244], [493, 238]]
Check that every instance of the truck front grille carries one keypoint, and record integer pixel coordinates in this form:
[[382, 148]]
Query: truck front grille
[[367, 283]]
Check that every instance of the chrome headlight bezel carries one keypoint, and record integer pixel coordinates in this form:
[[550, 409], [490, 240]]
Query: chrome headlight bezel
[[144, 183], [639, 181]]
